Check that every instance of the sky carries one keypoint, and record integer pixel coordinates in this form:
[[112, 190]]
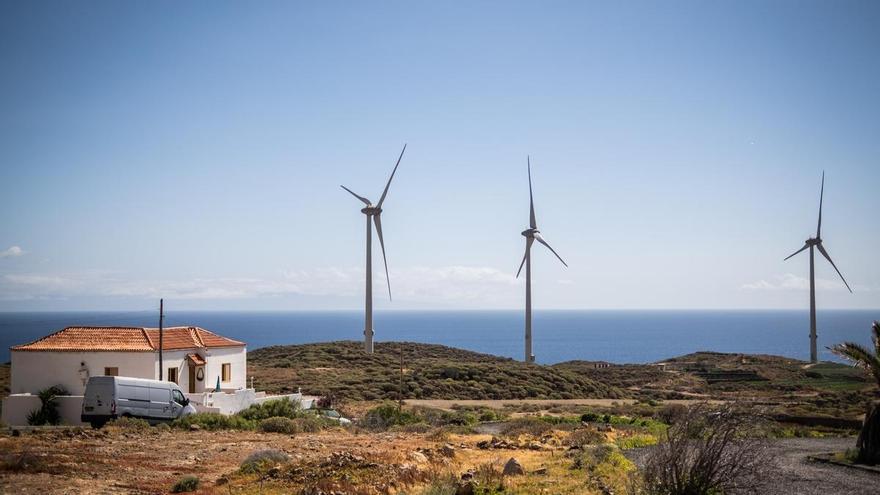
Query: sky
[[194, 151]]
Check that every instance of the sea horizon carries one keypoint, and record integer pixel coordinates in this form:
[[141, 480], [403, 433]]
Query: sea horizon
[[613, 335]]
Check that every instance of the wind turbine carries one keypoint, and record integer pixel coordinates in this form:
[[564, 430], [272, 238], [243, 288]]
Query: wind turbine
[[374, 215], [816, 242], [531, 234]]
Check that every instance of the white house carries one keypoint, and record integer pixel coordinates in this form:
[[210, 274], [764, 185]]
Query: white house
[[192, 357]]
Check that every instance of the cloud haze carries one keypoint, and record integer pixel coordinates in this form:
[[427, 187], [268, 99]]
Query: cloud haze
[[12, 252]]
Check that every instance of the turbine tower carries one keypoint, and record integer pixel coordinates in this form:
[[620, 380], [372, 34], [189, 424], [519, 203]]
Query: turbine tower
[[374, 215], [531, 234], [816, 242]]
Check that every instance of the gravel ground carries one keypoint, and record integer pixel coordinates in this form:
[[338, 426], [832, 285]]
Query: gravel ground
[[795, 475]]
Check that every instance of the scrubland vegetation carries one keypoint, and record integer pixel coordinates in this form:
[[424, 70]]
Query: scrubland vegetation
[[344, 371]]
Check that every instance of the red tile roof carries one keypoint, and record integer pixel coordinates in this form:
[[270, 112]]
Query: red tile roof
[[127, 339]]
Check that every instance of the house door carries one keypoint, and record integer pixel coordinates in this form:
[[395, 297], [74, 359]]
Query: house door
[[192, 379]]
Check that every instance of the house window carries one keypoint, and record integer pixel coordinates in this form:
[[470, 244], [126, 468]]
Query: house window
[[111, 371], [227, 372], [172, 375]]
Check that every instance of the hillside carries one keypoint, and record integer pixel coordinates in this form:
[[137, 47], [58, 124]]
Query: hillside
[[343, 370]]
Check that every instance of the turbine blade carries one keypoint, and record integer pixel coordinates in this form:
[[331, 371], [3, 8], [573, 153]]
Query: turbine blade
[[528, 246], [798, 251], [385, 192], [821, 195], [378, 221], [542, 241], [827, 257], [532, 222], [363, 199]]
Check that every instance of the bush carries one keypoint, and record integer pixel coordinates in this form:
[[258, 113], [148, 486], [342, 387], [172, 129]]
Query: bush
[[128, 423], [22, 462], [261, 460], [214, 421], [526, 426], [279, 408], [279, 425], [590, 417], [636, 441], [388, 414], [708, 451], [186, 484], [48, 413], [583, 437]]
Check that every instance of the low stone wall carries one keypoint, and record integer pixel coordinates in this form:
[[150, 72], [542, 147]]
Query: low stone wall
[[238, 400], [17, 407]]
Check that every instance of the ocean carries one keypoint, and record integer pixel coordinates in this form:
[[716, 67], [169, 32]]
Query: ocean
[[601, 335]]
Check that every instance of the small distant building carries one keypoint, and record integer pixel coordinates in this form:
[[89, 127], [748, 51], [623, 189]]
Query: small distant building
[[193, 357]]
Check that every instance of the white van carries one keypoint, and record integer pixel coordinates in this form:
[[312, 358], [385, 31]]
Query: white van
[[110, 397]]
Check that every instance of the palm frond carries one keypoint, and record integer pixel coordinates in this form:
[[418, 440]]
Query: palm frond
[[875, 336], [859, 356]]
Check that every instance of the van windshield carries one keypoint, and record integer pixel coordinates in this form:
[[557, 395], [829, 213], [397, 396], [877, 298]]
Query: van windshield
[[177, 396]]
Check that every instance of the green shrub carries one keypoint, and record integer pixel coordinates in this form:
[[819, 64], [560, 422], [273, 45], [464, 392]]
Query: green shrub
[[279, 408], [186, 484], [590, 417], [279, 425], [129, 423], [261, 460], [388, 414], [48, 413], [214, 421], [636, 441]]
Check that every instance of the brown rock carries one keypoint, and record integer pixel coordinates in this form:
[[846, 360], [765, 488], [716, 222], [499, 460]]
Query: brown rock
[[513, 468]]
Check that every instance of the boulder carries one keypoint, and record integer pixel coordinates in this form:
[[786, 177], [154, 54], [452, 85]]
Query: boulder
[[513, 468]]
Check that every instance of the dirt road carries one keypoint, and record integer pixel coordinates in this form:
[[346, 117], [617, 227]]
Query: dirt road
[[547, 403], [795, 475]]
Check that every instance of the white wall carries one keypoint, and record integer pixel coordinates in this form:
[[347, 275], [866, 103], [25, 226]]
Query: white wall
[[176, 359], [236, 356], [33, 371], [17, 407]]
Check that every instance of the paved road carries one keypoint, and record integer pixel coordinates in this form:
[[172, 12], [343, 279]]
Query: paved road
[[795, 475]]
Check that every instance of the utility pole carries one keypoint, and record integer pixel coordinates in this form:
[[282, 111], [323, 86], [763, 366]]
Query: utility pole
[[161, 321]]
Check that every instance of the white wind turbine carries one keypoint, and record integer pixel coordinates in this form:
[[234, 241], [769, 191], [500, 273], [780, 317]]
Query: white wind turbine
[[374, 215], [531, 234], [816, 242]]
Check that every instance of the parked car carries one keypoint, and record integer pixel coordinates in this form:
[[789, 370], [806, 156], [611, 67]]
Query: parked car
[[111, 397]]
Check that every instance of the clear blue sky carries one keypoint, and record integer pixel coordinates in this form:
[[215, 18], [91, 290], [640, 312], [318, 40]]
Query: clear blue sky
[[194, 151]]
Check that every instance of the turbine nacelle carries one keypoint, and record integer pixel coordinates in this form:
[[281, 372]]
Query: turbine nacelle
[[530, 232], [371, 210]]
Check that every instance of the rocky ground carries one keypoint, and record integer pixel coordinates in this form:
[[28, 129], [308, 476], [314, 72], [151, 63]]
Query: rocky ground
[[116, 460]]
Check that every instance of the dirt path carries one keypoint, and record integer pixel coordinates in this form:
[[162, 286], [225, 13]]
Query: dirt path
[[447, 404]]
